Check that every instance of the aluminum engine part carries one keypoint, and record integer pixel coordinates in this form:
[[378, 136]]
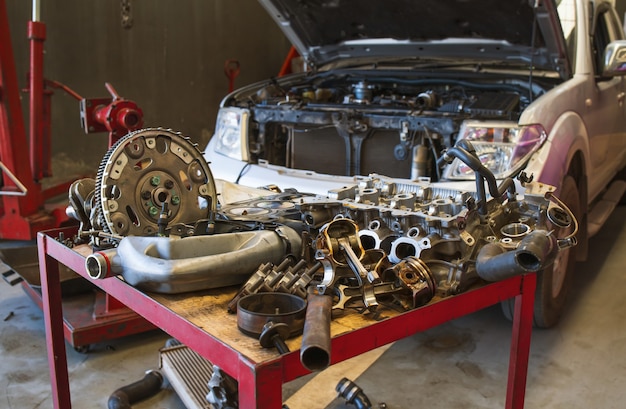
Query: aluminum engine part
[[147, 171], [166, 265], [444, 229], [223, 390]]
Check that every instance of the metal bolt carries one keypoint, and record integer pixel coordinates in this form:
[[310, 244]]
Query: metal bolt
[[155, 180], [153, 211], [175, 200], [169, 184], [145, 195]]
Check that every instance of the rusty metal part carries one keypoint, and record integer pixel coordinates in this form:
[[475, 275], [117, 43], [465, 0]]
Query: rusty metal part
[[315, 349], [251, 286], [274, 335], [413, 274], [255, 310], [283, 278], [145, 169], [337, 246]]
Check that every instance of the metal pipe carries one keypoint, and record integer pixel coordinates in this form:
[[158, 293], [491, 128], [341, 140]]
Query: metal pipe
[[315, 349], [166, 265], [38, 144], [36, 10], [103, 264]]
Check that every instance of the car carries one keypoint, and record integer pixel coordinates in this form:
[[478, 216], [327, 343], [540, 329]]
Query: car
[[388, 87]]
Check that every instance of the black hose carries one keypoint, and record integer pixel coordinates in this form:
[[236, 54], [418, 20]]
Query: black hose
[[466, 153], [353, 394], [137, 391], [535, 252]]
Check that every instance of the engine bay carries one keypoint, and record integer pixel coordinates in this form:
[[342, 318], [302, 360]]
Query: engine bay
[[386, 124]]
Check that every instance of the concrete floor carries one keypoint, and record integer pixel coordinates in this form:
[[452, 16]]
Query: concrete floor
[[462, 364]]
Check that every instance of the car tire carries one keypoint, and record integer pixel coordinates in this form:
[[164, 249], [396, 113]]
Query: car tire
[[553, 282]]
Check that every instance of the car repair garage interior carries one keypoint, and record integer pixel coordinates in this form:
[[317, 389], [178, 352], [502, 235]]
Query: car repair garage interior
[[312, 204]]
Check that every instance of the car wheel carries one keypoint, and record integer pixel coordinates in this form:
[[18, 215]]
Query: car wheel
[[554, 281]]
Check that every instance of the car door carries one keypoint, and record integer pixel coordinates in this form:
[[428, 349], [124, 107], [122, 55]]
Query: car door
[[605, 115]]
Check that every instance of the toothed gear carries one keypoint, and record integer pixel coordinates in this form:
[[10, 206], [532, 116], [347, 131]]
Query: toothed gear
[[145, 169]]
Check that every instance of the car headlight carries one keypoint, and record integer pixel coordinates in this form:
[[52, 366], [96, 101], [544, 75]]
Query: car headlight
[[231, 131], [502, 147]]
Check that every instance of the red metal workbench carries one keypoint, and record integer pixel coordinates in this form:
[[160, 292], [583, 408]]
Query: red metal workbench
[[200, 321]]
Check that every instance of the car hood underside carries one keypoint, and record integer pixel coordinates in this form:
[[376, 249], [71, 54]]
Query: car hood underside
[[328, 30]]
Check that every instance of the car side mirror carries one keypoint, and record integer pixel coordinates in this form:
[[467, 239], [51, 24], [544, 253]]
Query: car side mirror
[[614, 62]]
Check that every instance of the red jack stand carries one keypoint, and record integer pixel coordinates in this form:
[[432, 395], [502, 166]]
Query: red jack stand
[[23, 209], [22, 212], [88, 317]]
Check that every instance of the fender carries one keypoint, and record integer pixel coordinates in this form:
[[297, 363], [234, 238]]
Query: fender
[[567, 137]]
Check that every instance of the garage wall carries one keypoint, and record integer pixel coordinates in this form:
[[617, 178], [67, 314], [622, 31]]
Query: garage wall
[[171, 61]]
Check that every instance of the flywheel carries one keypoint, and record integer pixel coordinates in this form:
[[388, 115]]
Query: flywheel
[[145, 170]]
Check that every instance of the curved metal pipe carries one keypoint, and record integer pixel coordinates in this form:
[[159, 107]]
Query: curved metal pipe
[[166, 265], [535, 252], [315, 349], [123, 397]]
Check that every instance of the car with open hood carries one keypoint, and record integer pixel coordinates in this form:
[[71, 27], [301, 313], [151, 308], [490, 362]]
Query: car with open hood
[[387, 87]]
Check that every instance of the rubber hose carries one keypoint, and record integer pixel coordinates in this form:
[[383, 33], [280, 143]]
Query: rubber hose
[[353, 394], [123, 397]]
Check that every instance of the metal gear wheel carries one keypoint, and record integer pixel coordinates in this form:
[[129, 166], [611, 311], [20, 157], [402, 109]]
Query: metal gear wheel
[[145, 170]]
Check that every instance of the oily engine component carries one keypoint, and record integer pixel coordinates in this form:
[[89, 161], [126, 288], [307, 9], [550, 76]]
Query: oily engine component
[[170, 265]]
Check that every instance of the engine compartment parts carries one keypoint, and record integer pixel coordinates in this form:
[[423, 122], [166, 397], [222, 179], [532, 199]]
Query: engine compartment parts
[[146, 170], [254, 311], [175, 265], [393, 122], [223, 390], [380, 241], [284, 278], [274, 335], [315, 349]]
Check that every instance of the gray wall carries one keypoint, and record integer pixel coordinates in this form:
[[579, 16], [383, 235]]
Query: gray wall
[[171, 62]]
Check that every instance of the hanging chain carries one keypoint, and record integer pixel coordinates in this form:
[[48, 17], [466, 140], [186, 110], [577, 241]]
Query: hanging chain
[[126, 13]]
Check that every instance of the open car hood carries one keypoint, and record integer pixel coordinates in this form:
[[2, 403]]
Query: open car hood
[[325, 31]]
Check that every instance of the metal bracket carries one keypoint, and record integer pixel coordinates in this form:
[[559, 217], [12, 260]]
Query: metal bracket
[[23, 191]]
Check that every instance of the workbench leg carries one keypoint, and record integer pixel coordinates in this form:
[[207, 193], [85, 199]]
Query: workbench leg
[[520, 343], [260, 386], [53, 319]]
